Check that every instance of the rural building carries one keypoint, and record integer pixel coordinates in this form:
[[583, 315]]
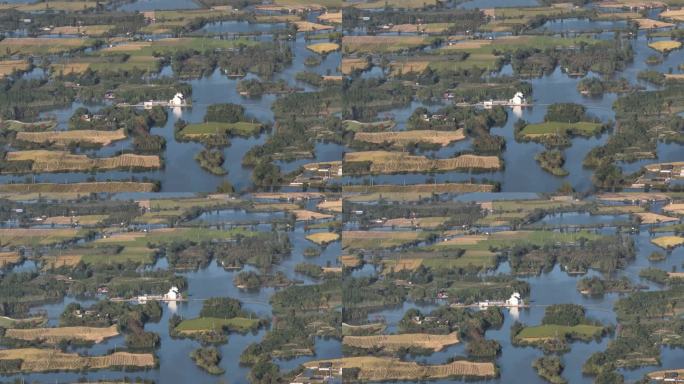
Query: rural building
[[518, 99], [173, 294], [178, 100]]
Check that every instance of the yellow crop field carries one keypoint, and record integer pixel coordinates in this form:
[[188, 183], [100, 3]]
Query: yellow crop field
[[41, 45], [9, 258], [44, 360], [653, 218], [33, 236], [7, 67], [392, 369], [304, 214], [61, 161], [383, 162], [323, 48], [403, 138], [64, 138], [405, 340], [58, 261], [349, 65], [676, 208], [322, 238], [307, 26], [665, 45], [668, 241], [380, 239], [330, 205], [331, 17], [674, 14], [650, 23], [76, 188], [55, 335]]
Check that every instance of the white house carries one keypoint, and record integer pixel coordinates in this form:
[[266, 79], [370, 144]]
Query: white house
[[518, 99], [515, 300], [177, 101], [173, 294]]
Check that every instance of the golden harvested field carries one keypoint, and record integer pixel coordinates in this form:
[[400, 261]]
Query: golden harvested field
[[7, 67], [650, 23], [75, 136], [331, 17], [44, 360], [323, 48], [401, 265], [404, 340], [323, 238], [9, 258], [408, 193], [41, 45], [304, 214], [653, 218], [55, 335], [668, 241], [382, 44], [90, 30], [660, 375], [307, 26], [330, 205], [58, 261], [61, 161], [676, 208], [383, 162], [404, 66], [350, 261], [403, 138], [665, 45], [70, 68], [391, 369], [75, 188], [34, 236], [349, 65], [674, 14], [633, 196]]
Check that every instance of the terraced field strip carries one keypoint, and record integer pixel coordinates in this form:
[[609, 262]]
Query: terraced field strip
[[380, 239], [650, 23], [75, 188], [676, 208], [41, 45], [403, 138], [76, 136], [390, 369], [55, 335], [35, 236], [404, 340], [60, 161], [350, 64], [7, 67], [385, 162], [9, 258], [82, 220], [307, 26], [653, 218], [330, 205], [582, 128], [45, 360], [304, 214]]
